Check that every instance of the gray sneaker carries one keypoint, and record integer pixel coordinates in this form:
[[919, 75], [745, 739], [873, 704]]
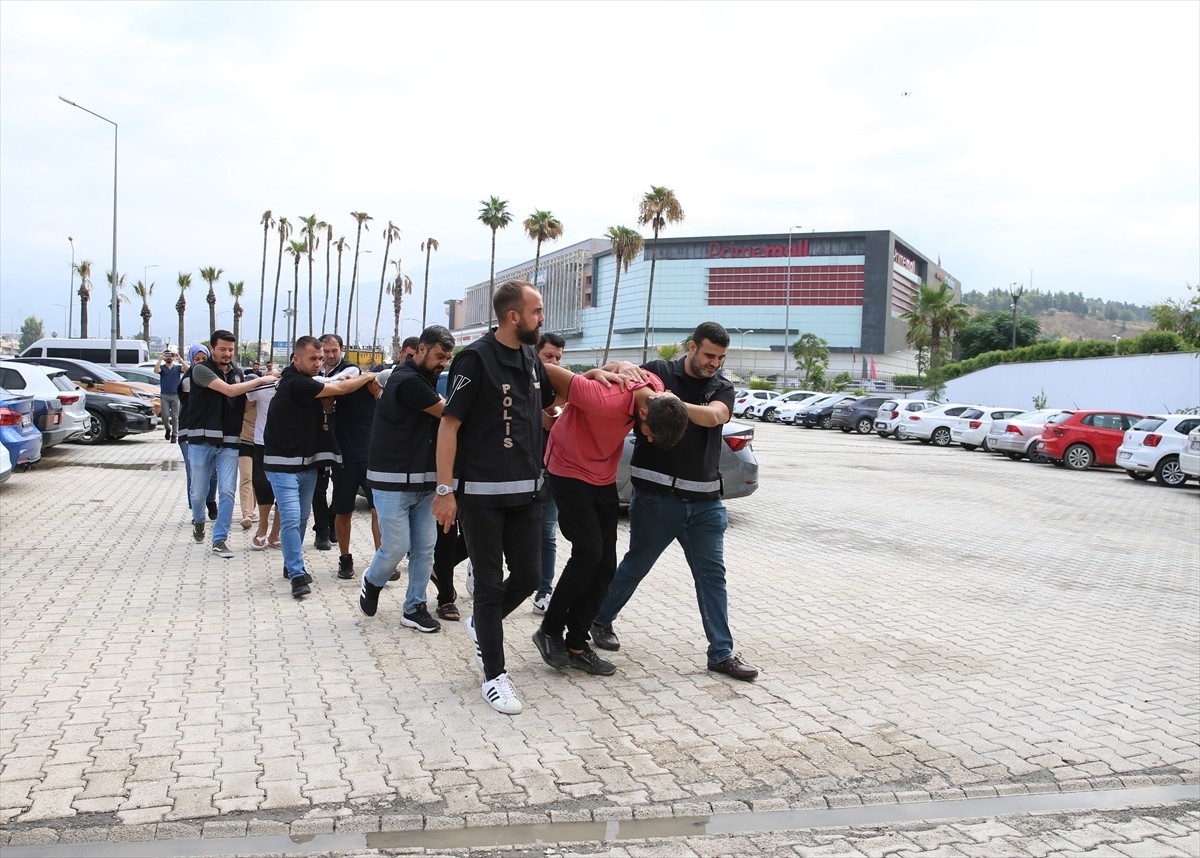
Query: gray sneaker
[[220, 549], [589, 662], [198, 531]]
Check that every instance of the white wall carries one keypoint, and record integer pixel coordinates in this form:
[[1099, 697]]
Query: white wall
[[1144, 384]]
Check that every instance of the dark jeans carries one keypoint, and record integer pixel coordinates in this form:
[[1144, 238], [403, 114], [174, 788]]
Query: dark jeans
[[322, 518], [587, 516], [448, 552], [496, 536]]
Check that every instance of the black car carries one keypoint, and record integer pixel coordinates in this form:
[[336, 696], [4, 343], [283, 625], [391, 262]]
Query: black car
[[821, 416], [113, 416], [857, 415]]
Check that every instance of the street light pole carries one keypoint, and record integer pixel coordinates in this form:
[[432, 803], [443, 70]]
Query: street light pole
[[787, 309], [113, 326], [71, 292], [1015, 290]]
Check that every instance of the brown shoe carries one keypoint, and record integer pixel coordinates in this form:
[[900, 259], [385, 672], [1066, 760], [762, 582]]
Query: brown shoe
[[735, 667]]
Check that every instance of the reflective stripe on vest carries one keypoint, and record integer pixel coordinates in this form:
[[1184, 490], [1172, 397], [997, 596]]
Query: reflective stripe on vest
[[512, 487], [674, 482], [301, 461], [401, 479], [215, 434]]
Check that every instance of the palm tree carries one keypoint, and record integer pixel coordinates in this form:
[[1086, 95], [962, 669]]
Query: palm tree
[[185, 283], [495, 215], [659, 207], [122, 298], [144, 292], [340, 244], [626, 244], [392, 233], [542, 226], [362, 218], [210, 276], [812, 355], [398, 288], [428, 245], [935, 316], [236, 289], [268, 223], [297, 249], [84, 270], [328, 247], [285, 230], [309, 231]]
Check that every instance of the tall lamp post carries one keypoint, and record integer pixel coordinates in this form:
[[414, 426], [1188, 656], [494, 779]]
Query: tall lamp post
[[71, 293], [112, 356], [1015, 290], [787, 309]]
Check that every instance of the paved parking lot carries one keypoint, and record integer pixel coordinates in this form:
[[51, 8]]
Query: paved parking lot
[[930, 625]]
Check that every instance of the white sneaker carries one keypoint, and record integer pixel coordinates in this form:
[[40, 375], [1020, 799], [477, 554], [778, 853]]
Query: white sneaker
[[470, 583], [501, 695], [541, 603], [470, 624]]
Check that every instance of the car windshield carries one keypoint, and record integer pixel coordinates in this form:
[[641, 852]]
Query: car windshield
[[1057, 418], [1149, 424], [971, 414], [60, 380], [889, 405]]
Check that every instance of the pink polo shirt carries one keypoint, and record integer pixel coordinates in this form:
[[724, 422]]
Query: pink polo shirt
[[586, 441]]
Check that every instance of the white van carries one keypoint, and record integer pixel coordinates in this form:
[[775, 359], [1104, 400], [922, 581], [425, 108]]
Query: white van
[[131, 352]]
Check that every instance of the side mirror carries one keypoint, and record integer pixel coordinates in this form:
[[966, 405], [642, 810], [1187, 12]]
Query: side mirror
[[87, 381]]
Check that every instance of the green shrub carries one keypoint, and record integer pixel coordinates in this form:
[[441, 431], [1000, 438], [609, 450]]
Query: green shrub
[[1159, 342], [907, 380], [1095, 348], [761, 384]]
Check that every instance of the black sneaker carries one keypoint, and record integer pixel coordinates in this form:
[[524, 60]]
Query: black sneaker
[[553, 650], [220, 549], [321, 540], [604, 637], [589, 662], [735, 667], [420, 620], [198, 531], [368, 597], [211, 506], [286, 577], [346, 566], [300, 587]]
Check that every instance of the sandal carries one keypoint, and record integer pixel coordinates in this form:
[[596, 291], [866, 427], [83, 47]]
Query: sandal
[[258, 543], [448, 611], [274, 543]]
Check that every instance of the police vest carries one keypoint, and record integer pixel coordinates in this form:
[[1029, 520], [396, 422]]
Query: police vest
[[404, 436], [212, 417]]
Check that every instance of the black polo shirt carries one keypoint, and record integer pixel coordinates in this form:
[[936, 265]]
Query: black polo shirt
[[298, 435], [404, 435], [354, 414]]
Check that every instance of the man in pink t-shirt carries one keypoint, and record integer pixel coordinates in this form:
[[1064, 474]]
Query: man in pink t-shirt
[[581, 458]]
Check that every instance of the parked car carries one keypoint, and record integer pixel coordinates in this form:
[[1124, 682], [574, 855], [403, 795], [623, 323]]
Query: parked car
[[890, 417], [859, 415], [739, 468], [1189, 456], [972, 427], [1152, 448], [74, 400], [791, 411], [6, 466], [137, 373], [68, 416], [1085, 438], [820, 414], [1018, 437], [91, 376], [742, 404], [112, 416], [765, 410], [932, 426], [17, 431]]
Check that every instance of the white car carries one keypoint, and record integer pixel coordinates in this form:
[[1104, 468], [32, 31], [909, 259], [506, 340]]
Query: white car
[[971, 430], [49, 381], [790, 413], [1018, 436], [1152, 447], [1189, 456], [765, 409], [892, 414], [932, 425], [743, 403], [6, 467]]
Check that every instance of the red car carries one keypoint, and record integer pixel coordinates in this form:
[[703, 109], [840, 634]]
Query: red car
[[1080, 439]]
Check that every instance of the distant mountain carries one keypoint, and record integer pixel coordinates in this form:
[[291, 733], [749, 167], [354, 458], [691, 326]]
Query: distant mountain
[[1069, 314]]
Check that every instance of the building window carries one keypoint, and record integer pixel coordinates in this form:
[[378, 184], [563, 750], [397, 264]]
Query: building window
[[586, 297], [808, 285]]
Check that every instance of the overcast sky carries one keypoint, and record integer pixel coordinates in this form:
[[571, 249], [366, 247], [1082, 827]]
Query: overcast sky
[[1058, 137]]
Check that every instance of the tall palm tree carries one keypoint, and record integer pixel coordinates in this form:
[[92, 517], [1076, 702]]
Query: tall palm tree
[[392, 233], [122, 298], [341, 245], [285, 230], [309, 231], [210, 276], [428, 245], [495, 215], [328, 247], [935, 316], [297, 249], [659, 207], [144, 292], [398, 288], [185, 283], [626, 244], [542, 226], [84, 270], [268, 223], [237, 288], [361, 218]]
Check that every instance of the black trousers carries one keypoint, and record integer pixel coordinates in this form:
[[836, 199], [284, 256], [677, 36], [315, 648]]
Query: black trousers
[[322, 518], [587, 517], [497, 536], [448, 552]]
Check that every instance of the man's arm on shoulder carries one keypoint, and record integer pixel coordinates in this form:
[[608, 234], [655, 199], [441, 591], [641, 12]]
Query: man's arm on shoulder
[[346, 385], [716, 413]]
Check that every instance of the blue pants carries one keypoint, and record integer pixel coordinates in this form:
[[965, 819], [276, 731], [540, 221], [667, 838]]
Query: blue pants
[[293, 496], [406, 524], [549, 545], [655, 521], [187, 470], [205, 458]]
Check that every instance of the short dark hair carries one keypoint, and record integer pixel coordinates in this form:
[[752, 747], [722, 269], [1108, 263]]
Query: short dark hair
[[667, 420], [336, 337], [711, 331], [435, 335], [414, 342], [304, 342], [221, 334], [510, 296], [553, 339]]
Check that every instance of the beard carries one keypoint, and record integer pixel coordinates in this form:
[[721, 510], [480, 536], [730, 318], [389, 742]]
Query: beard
[[529, 336]]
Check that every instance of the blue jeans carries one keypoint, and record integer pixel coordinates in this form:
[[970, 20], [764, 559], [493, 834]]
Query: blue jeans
[[187, 469], [655, 521], [406, 524], [204, 459], [293, 496], [549, 545]]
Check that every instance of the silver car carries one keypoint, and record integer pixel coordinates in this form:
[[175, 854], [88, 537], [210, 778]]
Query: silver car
[[1018, 437], [739, 468], [49, 381]]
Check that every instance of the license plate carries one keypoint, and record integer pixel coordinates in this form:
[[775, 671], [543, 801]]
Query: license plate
[[26, 420], [1125, 454], [1195, 443]]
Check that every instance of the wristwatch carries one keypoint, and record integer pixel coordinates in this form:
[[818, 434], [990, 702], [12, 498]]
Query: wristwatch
[[444, 490]]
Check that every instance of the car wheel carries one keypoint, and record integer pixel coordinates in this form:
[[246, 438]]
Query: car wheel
[[96, 431], [970, 448], [1079, 457], [863, 427], [882, 434], [826, 422], [923, 440], [769, 416], [900, 434], [987, 446], [1140, 476], [941, 436], [1038, 458], [1168, 473]]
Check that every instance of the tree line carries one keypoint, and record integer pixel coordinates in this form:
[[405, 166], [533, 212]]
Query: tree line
[[1034, 301]]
